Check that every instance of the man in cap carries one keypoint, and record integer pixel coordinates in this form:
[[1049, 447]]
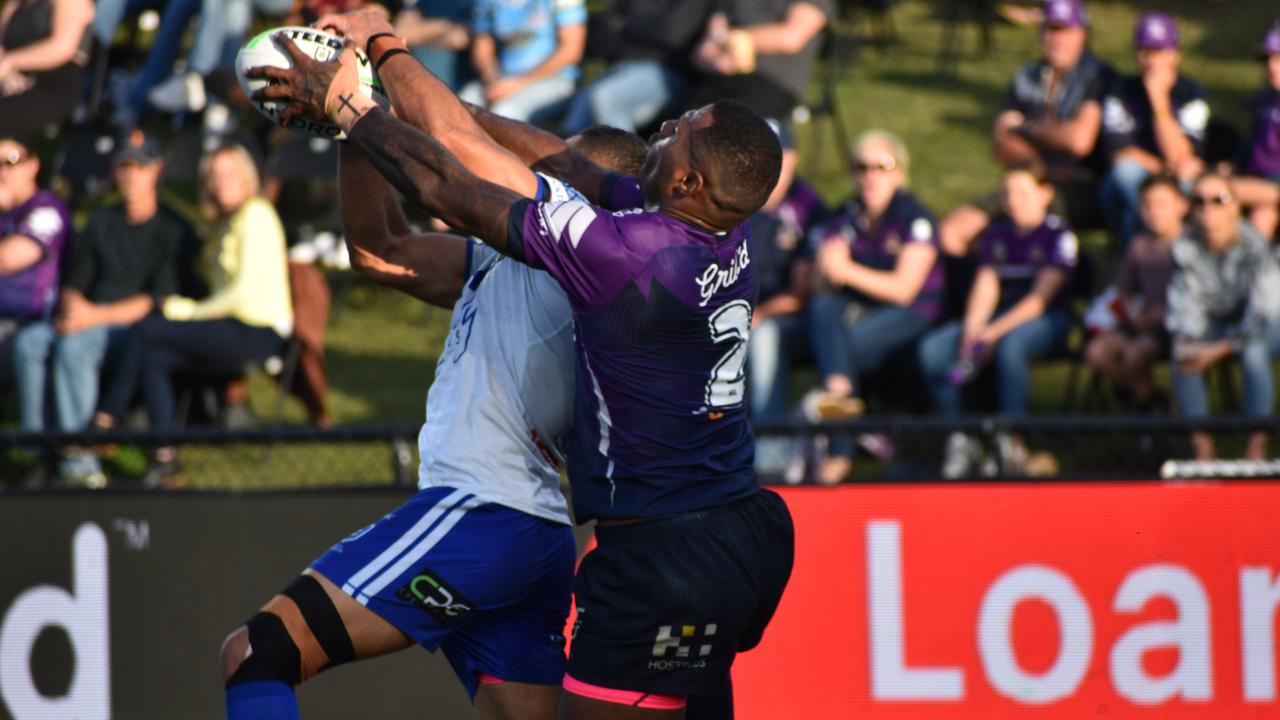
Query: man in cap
[[1052, 114], [1152, 122], [129, 256], [1258, 189]]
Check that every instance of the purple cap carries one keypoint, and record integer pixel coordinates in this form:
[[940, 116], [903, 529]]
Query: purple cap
[[1271, 43], [1155, 31], [1065, 13]]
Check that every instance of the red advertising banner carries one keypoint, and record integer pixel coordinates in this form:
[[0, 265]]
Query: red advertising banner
[[1118, 600]]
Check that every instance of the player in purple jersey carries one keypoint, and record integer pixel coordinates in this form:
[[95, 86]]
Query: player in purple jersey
[[1258, 190], [692, 555]]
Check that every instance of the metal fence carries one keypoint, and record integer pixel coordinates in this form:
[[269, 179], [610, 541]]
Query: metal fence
[[884, 448]]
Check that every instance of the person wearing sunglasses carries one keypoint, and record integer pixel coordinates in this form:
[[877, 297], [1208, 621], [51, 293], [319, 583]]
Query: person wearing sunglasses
[[1224, 302], [1151, 122], [883, 285]]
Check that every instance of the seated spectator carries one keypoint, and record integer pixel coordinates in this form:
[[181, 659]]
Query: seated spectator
[[1052, 114], [1153, 122], [881, 280], [44, 48], [761, 53], [778, 242], [1224, 301], [526, 53], [437, 35], [1259, 188], [648, 45], [34, 227], [245, 319], [120, 265], [1017, 312], [1126, 354]]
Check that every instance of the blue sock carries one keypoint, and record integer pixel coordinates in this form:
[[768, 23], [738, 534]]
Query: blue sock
[[262, 700]]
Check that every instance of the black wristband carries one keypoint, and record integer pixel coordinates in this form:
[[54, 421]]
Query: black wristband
[[368, 44], [383, 60]]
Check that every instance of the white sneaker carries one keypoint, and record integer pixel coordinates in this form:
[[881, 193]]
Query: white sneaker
[[962, 454], [1013, 455], [183, 92]]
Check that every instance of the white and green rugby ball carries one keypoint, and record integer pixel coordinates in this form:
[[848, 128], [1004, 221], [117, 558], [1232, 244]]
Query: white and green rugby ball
[[318, 44]]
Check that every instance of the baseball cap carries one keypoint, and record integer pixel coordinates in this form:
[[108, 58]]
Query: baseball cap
[[1155, 31], [1065, 14], [137, 146], [1271, 43]]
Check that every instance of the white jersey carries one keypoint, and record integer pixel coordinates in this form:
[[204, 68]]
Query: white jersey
[[502, 399]]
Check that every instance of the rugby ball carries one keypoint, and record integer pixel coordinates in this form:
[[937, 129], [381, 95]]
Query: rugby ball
[[318, 44]]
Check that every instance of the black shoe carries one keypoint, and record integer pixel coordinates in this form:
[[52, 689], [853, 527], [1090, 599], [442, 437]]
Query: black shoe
[[163, 475]]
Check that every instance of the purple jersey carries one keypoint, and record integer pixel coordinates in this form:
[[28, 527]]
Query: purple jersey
[[1127, 117], [905, 222], [30, 293], [662, 312], [1264, 148], [1018, 256]]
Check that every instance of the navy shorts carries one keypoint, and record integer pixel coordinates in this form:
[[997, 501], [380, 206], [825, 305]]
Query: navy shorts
[[665, 605], [488, 584]]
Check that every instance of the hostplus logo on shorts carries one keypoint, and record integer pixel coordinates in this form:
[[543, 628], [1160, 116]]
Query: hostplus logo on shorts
[[674, 648], [430, 592]]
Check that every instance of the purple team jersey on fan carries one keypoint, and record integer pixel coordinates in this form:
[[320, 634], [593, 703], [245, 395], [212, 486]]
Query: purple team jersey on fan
[[1264, 150], [662, 312], [29, 294], [1018, 256]]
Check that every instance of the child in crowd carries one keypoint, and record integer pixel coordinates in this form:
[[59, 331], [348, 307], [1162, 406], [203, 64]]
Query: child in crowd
[[1126, 354], [1017, 312]]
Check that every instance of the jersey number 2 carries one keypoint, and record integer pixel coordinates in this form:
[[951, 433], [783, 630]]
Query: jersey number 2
[[728, 382]]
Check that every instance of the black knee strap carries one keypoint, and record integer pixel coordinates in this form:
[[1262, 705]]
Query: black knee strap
[[322, 617], [273, 656]]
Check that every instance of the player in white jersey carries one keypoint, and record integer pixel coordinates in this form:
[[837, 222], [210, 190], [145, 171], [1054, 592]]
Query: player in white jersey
[[479, 562]]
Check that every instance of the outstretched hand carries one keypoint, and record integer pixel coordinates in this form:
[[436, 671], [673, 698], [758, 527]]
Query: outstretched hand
[[309, 88]]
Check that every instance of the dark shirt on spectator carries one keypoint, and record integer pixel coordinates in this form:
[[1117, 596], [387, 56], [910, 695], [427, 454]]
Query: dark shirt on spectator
[[1127, 118], [112, 259], [661, 30], [1145, 271], [29, 294], [1264, 147], [1018, 257], [904, 222], [778, 239], [1028, 93]]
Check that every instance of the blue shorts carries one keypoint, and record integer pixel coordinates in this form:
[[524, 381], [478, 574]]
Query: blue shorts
[[488, 584]]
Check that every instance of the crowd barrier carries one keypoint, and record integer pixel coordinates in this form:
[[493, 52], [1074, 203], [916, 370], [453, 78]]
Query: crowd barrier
[[908, 601]]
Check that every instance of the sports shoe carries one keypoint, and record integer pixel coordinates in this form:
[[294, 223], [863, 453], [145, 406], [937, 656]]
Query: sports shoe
[[163, 474], [183, 92], [820, 405], [80, 468], [962, 455]]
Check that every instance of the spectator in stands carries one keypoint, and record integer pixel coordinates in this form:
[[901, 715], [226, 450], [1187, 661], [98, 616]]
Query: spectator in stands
[[1151, 123], [883, 285], [34, 227], [437, 34], [781, 254], [648, 44], [1052, 114], [526, 53], [1224, 301], [246, 318], [761, 53], [1126, 354], [1017, 312], [124, 261], [1259, 188], [44, 47]]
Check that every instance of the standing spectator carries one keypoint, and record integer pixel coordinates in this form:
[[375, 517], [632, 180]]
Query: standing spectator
[[648, 44], [1126, 354], [44, 47], [245, 319], [1017, 312], [526, 53], [779, 249], [879, 258], [1153, 122], [34, 226], [1224, 301], [1259, 189], [760, 52], [121, 265], [1052, 114], [436, 32]]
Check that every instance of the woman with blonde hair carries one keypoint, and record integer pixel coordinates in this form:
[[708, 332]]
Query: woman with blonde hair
[[246, 317]]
